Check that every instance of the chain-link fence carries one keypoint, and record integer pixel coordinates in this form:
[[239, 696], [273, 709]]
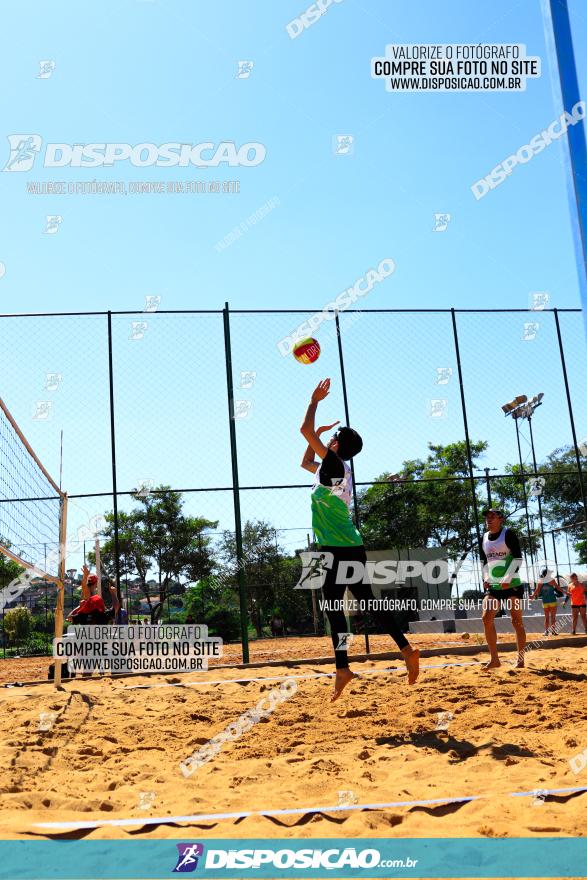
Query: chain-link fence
[[176, 437]]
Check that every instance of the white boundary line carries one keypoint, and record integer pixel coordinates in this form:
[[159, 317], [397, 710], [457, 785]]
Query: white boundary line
[[314, 675], [187, 684], [212, 817]]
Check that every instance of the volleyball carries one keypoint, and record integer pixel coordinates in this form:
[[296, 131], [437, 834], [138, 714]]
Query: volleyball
[[307, 350]]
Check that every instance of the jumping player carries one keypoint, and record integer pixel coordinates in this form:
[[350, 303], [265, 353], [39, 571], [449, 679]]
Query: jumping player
[[336, 534], [501, 557]]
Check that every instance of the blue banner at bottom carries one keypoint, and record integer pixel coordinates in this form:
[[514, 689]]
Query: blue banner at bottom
[[334, 858]]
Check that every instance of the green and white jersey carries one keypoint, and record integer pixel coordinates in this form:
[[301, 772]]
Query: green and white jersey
[[500, 552], [331, 501]]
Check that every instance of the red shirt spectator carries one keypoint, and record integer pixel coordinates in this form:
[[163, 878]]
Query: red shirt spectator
[[93, 604]]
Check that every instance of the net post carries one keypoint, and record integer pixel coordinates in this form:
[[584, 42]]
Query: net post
[[60, 584]]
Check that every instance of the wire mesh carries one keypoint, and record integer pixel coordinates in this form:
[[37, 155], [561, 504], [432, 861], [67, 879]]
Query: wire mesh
[[171, 412], [30, 503]]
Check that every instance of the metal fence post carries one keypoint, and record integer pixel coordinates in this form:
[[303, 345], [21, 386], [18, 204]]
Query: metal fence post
[[570, 406], [113, 458], [346, 415], [466, 426], [240, 561], [559, 47]]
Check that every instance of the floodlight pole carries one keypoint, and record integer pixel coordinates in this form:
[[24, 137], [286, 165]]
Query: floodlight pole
[[529, 417], [554, 550], [525, 494], [488, 484]]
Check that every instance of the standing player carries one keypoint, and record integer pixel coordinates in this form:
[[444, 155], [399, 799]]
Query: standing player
[[576, 590], [501, 557], [336, 534], [548, 591]]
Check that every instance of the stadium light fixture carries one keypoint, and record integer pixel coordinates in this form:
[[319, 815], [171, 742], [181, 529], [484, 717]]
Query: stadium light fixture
[[514, 404], [522, 408]]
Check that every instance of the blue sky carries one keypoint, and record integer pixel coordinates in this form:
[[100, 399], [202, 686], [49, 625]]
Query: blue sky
[[158, 72]]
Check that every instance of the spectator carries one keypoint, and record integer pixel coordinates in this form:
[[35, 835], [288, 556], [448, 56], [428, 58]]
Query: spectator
[[92, 608], [548, 590], [576, 590], [277, 625]]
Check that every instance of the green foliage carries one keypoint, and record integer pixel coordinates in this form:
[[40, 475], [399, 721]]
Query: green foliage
[[262, 556], [157, 536], [270, 575], [224, 622], [215, 604], [35, 644], [9, 570], [18, 624], [508, 493], [39, 624], [562, 503], [423, 514]]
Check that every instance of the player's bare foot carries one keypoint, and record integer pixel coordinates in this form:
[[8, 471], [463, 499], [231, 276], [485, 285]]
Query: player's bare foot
[[492, 664], [343, 676], [519, 664], [413, 664]]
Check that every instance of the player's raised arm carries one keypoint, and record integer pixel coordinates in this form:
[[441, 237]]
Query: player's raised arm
[[86, 592], [308, 461], [307, 429]]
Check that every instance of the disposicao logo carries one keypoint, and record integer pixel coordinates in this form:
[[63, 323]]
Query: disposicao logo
[[188, 855], [25, 147]]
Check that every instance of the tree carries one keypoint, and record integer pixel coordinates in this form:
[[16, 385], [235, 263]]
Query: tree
[[262, 556], [9, 570], [437, 512], [214, 603], [270, 574], [508, 494], [562, 502], [159, 537], [18, 623]]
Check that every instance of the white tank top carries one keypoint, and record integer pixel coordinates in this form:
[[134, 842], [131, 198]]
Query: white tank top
[[497, 550], [342, 487], [499, 558]]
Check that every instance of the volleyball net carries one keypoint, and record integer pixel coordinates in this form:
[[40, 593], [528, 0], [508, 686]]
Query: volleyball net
[[32, 506]]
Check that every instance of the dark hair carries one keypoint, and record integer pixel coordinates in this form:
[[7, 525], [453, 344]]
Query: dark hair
[[349, 443]]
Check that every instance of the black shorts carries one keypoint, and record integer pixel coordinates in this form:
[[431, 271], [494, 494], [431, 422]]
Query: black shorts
[[578, 606], [349, 553], [504, 595]]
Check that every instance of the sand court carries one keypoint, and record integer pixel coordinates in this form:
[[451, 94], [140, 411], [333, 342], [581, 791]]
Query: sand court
[[464, 753]]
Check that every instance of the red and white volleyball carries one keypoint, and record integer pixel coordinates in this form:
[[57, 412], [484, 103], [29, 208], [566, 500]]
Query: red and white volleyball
[[307, 350]]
